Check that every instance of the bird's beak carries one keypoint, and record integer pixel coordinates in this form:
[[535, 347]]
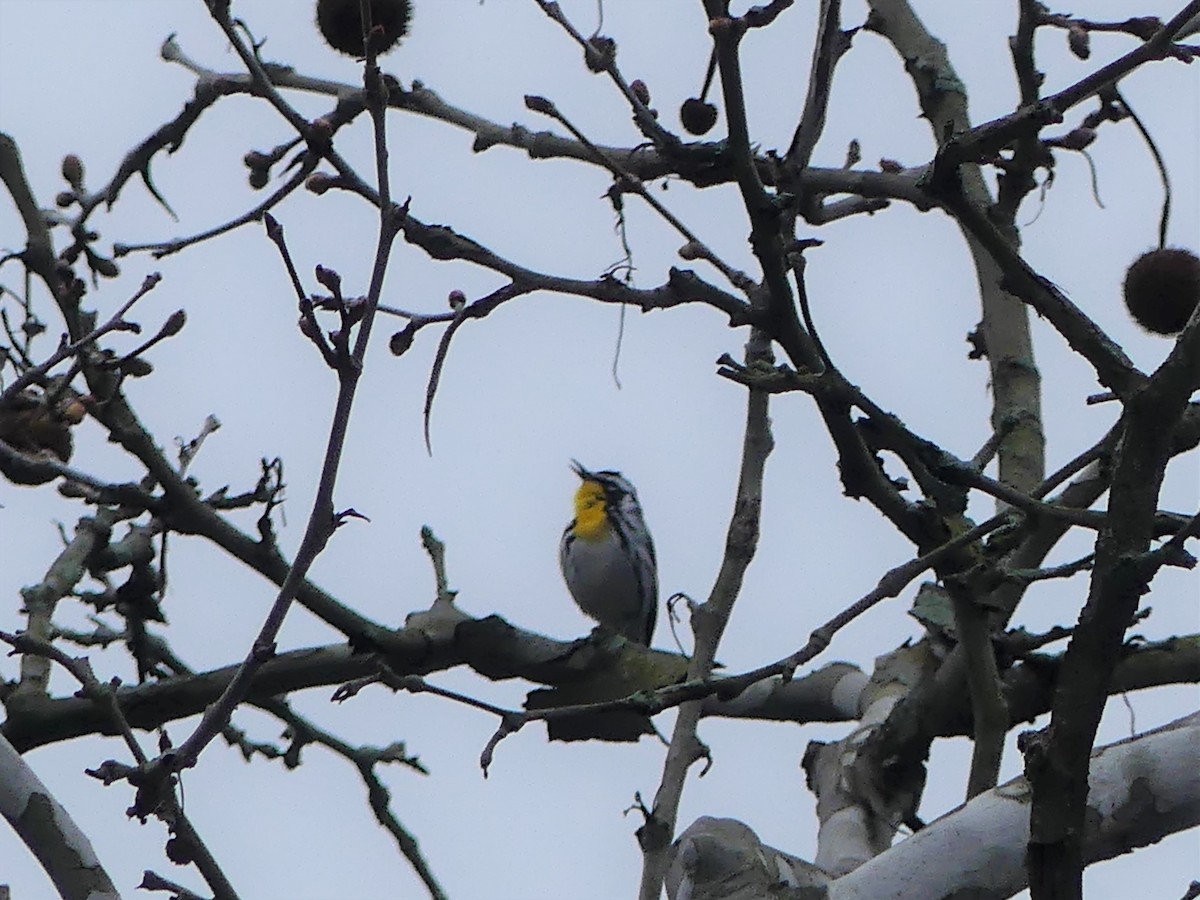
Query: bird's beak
[[580, 470]]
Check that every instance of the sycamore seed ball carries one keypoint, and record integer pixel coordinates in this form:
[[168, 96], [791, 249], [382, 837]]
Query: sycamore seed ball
[[1162, 288], [698, 116], [341, 24]]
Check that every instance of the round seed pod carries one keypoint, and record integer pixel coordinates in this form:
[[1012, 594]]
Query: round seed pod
[[1162, 288], [697, 116], [341, 24]]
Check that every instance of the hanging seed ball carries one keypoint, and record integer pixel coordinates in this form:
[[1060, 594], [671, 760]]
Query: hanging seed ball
[[697, 116], [341, 24], [1162, 288]]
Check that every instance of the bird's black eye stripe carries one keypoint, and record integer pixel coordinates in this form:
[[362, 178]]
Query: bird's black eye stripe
[[614, 484]]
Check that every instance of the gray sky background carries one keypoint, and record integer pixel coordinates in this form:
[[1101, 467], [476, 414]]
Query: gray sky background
[[529, 388]]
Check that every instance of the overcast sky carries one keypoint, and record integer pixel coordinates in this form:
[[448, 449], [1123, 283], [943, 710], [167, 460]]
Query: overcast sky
[[529, 388]]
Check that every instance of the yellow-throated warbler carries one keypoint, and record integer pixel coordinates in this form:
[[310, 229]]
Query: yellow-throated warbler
[[607, 556]]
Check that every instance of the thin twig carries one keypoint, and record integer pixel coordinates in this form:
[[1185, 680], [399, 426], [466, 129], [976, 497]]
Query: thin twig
[[709, 625], [627, 180], [164, 803], [645, 120], [830, 45], [322, 520], [989, 712], [1065, 570], [115, 323], [439, 361]]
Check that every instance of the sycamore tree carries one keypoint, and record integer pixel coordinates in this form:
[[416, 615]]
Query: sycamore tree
[[297, 348]]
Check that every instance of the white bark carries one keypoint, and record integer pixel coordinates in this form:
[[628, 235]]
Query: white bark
[[50, 833], [1142, 790]]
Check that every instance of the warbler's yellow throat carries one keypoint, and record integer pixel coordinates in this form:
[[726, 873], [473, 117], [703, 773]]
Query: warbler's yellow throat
[[591, 520]]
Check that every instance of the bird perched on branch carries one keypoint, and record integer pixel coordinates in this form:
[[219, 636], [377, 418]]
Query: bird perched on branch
[[607, 556]]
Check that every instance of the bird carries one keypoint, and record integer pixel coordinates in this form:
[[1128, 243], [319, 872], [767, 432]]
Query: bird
[[607, 556]]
